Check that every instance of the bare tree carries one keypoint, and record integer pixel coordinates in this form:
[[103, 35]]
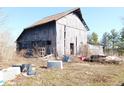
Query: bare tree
[[3, 18], [5, 38]]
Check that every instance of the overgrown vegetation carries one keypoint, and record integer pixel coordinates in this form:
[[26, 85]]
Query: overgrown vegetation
[[7, 47], [75, 73]]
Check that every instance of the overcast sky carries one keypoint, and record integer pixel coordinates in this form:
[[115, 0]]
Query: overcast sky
[[99, 20]]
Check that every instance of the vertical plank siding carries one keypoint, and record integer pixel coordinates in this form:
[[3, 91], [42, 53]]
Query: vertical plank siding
[[75, 33], [46, 32], [61, 36]]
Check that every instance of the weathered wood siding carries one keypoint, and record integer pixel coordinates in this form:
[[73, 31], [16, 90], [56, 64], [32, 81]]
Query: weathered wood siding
[[46, 32], [75, 31]]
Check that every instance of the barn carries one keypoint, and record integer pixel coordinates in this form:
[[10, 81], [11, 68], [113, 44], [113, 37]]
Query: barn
[[59, 34]]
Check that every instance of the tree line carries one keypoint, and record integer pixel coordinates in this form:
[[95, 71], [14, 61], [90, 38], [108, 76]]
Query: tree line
[[112, 41]]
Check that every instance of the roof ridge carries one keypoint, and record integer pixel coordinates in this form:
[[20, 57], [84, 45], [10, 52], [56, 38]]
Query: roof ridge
[[48, 19], [61, 12]]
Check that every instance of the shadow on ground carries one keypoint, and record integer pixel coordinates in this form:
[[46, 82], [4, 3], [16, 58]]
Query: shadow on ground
[[122, 84]]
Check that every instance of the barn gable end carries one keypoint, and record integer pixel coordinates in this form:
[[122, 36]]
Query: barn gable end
[[70, 30]]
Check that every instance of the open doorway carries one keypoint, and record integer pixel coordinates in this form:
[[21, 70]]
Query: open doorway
[[72, 48]]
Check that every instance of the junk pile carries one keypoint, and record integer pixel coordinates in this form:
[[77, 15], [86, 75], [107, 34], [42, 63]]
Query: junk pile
[[12, 72], [83, 58], [49, 57], [113, 59], [104, 59], [57, 62], [67, 58], [28, 70], [97, 58]]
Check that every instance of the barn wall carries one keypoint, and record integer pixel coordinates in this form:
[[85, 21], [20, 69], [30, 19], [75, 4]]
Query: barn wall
[[45, 32], [74, 29]]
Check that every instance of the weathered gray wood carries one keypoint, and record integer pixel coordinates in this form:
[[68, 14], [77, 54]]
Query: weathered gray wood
[[46, 32], [75, 33], [61, 32]]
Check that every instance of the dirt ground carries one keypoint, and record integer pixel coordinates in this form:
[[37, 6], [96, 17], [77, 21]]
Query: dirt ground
[[75, 73]]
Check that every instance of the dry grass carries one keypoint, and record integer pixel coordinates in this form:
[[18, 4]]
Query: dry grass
[[73, 74]]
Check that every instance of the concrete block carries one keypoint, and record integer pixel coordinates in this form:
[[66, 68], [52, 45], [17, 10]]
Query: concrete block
[[10, 73], [54, 64], [1, 78], [16, 70]]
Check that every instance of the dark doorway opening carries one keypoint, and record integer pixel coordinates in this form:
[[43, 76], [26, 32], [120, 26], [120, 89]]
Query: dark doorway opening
[[72, 48]]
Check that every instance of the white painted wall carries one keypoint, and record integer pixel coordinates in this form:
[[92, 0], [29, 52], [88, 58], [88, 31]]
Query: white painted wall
[[74, 28], [93, 49]]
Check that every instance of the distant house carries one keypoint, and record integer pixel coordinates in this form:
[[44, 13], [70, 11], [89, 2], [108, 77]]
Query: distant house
[[59, 34]]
